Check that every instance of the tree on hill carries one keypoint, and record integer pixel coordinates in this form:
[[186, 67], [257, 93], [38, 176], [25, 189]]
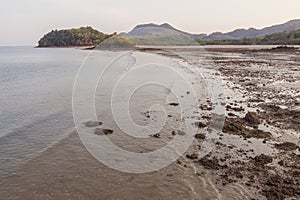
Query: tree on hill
[[84, 36]]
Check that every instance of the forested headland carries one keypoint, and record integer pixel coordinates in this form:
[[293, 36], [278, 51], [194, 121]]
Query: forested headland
[[84, 36]]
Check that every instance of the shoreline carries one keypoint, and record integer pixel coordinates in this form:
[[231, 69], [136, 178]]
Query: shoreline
[[247, 162], [66, 47], [260, 135]]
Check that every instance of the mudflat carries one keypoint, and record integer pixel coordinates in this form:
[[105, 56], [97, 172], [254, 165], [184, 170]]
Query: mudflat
[[256, 155]]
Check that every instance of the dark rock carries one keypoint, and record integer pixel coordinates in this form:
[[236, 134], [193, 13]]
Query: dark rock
[[179, 132], [282, 49], [237, 126], [206, 117], [210, 163], [255, 133], [232, 126], [231, 115], [107, 131], [286, 146], [252, 118], [200, 136], [237, 109], [200, 124], [205, 107], [273, 195], [193, 156], [281, 163], [173, 104], [157, 135], [263, 159], [281, 118], [91, 124], [100, 131]]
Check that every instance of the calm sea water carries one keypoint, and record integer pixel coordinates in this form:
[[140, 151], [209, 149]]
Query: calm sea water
[[36, 97], [36, 93]]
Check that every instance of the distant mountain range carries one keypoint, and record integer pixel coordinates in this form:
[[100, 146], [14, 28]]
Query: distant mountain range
[[167, 35], [153, 29], [252, 32]]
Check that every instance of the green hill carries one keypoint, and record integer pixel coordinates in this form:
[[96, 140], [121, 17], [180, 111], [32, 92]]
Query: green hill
[[159, 35], [281, 38], [253, 32], [116, 42], [84, 36]]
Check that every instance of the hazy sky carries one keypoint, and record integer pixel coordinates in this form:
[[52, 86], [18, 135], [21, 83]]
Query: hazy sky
[[23, 22]]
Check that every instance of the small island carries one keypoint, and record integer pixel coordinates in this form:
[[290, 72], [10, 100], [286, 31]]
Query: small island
[[75, 37]]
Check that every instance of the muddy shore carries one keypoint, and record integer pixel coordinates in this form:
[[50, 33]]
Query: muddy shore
[[259, 147], [256, 156]]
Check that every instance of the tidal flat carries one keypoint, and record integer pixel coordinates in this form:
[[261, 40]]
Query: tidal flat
[[254, 155]]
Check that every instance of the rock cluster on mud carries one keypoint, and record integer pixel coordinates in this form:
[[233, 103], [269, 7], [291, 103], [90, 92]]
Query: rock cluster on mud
[[286, 146], [272, 89], [200, 136], [240, 126], [193, 156], [281, 118], [100, 131], [263, 159], [252, 118], [178, 132], [208, 163]]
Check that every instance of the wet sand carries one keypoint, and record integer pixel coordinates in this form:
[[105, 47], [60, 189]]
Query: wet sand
[[251, 160], [259, 146]]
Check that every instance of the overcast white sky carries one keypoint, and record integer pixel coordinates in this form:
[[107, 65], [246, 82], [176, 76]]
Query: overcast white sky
[[23, 22]]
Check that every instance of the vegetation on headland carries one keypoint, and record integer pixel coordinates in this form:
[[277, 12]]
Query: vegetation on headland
[[281, 38], [84, 36], [87, 36], [116, 42]]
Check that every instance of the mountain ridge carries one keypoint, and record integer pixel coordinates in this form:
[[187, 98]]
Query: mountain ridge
[[170, 27], [167, 35], [163, 34], [235, 34], [253, 32]]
